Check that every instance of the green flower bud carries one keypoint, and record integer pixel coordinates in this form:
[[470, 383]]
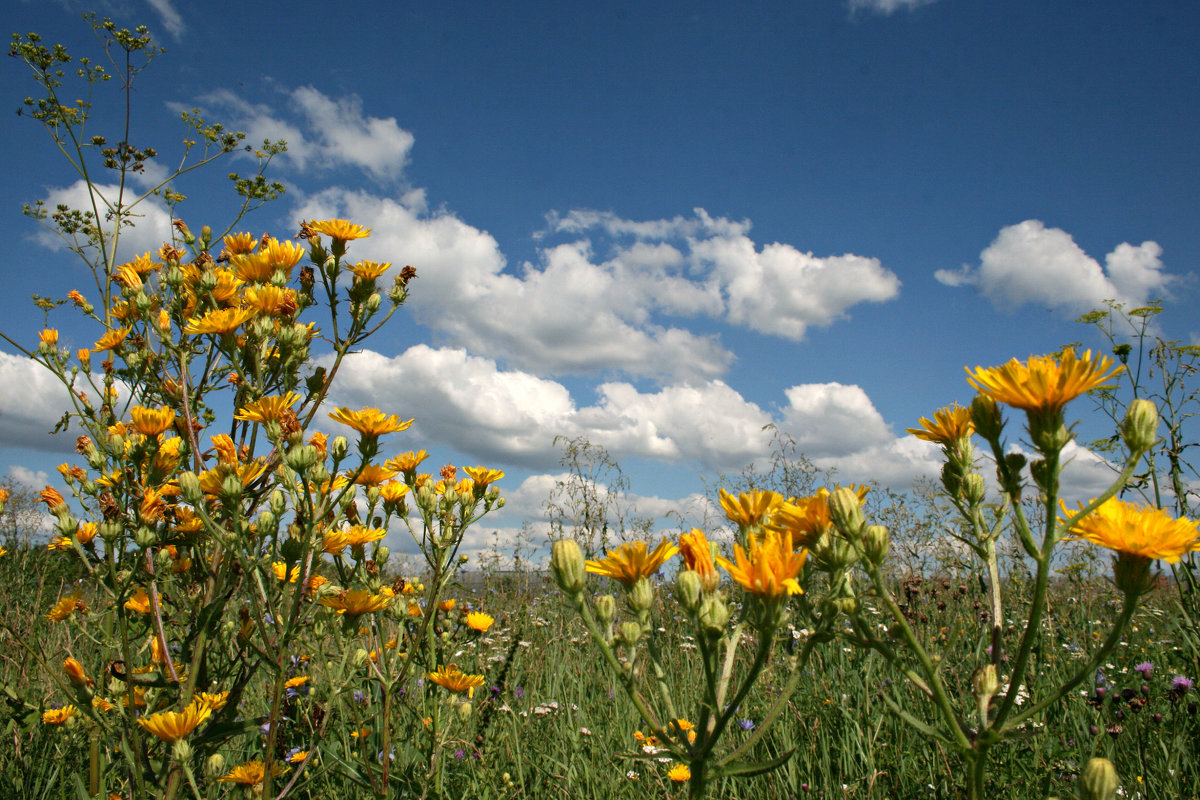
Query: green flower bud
[[278, 503], [985, 683], [231, 488], [182, 752], [986, 417], [318, 473], [631, 632], [301, 458], [360, 657], [373, 302], [973, 488], [1131, 573], [688, 590], [606, 608], [566, 560], [383, 554], [1140, 426], [845, 509], [1099, 780], [641, 595], [215, 766], [267, 521], [339, 447], [875, 543], [145, 537], [714, 615], [465, 710]]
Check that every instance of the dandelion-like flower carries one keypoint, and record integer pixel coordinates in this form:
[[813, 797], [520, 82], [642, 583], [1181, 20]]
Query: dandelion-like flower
[[750, 508], [1138, 530], [1043, 384], [58, 716], [356, 602], [407, 462], [220, 321], [631, 561], [679, 773], [251, 773], [341, 229], [698, 556], [482, 476], [65, 607], [369, 270], [452, 679], [370, 421], [770, 569], [171, 726], [151, 421], [265, 409], [479, 621], [950, 424]]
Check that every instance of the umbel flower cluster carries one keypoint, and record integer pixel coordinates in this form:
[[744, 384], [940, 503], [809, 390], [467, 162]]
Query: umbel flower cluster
[[818, 560]]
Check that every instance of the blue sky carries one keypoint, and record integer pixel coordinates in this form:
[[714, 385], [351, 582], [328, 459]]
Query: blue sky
[[663, 225]]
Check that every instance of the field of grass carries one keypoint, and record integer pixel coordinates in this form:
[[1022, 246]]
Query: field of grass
[[553, 723]]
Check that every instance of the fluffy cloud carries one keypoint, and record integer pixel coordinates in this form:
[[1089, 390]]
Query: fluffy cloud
[[323, 131], [171, 18], [32, 401], [1030, 263]]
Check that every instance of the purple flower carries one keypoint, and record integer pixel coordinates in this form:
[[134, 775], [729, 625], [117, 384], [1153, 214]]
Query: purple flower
[[1180, 684], [520, 693], [747, 724], [1145, 668], [459, 754]]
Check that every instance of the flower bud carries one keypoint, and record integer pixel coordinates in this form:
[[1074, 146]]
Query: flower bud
[[630, 633], [688, 590], [875, 543], [145, 537], [606, 609], [278, 503], [109, 530], [339, 447], [215, 766], [985, 683], [973, 488], [373, 302], [845, 509], [231, 487], [1131, 573], [714, 615], [383, 554], [641, 595], [189, 487], [986, 417], [465, 710], [1140, 426], [1099, 780], [182, 752], [301, 458], [566, 560]]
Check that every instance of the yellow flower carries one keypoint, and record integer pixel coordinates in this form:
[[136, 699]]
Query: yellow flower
[[631, 561], [370, 421], [237, 244], [226, 288], [483, 476], [48, 337], [679, 773], [251, 773], [454, 680], [139, 602], [949, 424], [58, 716], [59, 543], [111, 340], [373, 475], [1044, 383], [368, 270], [359, 535], [355, 602], [150, 421], [281, 571], [749, 508], [447, 605], [64, 607], [85, 532], [697, 555], [806, 518], [100, 704], [393, 491], [271, 300], [406, 462], [771, 568], [479, 621], [297, 757], [1138, 530], [219, 321], [171, 726], [340, 229], [75, 672], [213, 701], [272, 256]]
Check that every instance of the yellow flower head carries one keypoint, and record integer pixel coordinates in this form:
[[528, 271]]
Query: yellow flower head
[[75, 673], [370, 421], [271, 300], [150, 421], [237, 244], [48, 337], [482, 476], [280, 571], [271, 257], [65, 607], [171, 726], [679, 773], [749, 508], [479, 621], [58, 716], [393, 491], [771, 568], [1043, 384], [698, 556], [373, 475], [949, 424], [340, 229], [355, 602], [407, 462], [213, 701], [1138, 530], [111, 340], [359, 535], [369, 270], [220, 321], [85, 532], [631, 561], [138, 602], [251, 773], [265, 409], [454, 680]]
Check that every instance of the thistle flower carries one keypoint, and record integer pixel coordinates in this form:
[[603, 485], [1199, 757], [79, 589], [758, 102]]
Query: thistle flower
[[1043, 384], [631, 561], [370, 421], [171, 726], [452, 679]]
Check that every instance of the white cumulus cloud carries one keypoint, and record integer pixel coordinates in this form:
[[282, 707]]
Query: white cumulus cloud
[[151, 221], [1030, 263], [886, 7]]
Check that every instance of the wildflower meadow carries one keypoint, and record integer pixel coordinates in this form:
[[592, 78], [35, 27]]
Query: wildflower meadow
[[215, 613]]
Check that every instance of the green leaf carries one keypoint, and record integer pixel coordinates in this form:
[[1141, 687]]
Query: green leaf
[[748, 769]]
